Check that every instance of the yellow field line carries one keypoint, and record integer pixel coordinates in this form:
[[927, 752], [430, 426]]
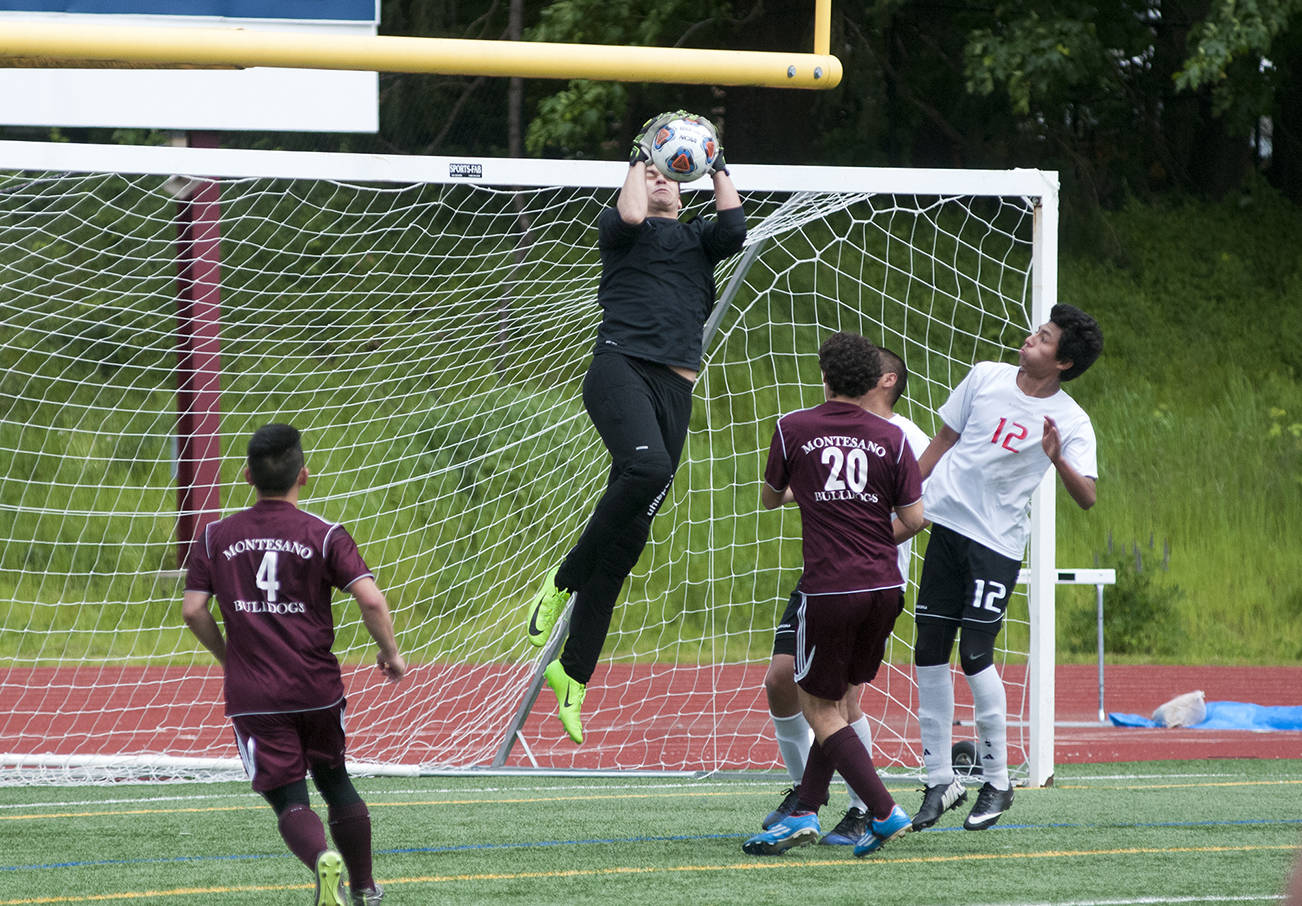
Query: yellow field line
[[493, 800], [758, 865]]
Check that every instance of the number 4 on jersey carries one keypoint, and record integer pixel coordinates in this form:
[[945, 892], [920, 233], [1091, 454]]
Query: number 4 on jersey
[[267, 576]]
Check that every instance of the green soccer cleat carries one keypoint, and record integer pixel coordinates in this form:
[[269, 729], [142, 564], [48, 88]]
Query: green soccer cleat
[[329, 879], [569, 699], [544, 609]]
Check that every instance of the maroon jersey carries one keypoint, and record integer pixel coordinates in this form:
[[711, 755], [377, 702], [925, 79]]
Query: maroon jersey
[[848, 469], [272, 568]]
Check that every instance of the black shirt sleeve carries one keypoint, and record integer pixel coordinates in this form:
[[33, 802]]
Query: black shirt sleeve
[[613, 232], [724, 234]]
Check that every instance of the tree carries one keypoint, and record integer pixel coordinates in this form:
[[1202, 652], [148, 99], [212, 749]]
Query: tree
[[1140, 96]]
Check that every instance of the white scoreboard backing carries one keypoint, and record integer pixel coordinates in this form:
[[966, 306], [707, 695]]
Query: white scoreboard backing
[[294, 100]]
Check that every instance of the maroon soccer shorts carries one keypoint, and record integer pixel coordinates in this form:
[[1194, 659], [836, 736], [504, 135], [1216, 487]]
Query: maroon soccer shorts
[[278, 749], [841, 639]]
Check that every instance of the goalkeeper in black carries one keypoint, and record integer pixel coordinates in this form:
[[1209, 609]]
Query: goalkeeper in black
[[656, 292]]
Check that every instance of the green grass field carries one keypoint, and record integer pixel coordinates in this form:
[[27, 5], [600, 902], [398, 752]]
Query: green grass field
[[1150, 833]]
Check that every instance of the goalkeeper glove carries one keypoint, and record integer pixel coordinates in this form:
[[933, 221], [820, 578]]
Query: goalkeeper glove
[[641, 149], [640, 153], [718, 165]]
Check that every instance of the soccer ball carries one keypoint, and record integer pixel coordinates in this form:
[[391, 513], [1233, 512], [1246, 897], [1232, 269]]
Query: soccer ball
[[683, 149]]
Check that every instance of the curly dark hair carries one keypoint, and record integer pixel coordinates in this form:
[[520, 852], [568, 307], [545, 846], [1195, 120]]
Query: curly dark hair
[[851, 365], [1081, 341], [275, 458]]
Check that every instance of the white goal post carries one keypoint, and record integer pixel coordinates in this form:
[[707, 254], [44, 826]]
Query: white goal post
[[425, 321]]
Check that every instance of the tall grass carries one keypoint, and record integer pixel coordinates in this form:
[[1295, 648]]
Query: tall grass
[[1197, 404], [1196, 411]]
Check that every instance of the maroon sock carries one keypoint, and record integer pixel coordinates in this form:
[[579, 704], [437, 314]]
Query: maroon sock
[[350, 826], [303, 833], [812, 789], [846, 751]]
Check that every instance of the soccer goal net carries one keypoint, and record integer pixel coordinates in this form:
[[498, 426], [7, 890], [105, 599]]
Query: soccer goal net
[[426, 323]]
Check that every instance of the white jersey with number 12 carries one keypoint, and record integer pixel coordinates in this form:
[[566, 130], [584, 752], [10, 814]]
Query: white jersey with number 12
[[982, 486]]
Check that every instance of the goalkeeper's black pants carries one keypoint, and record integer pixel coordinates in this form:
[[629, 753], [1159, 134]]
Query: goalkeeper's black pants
[[641, 410]]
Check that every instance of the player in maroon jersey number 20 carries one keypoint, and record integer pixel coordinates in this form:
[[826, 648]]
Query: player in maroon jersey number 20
[[272, 568], [848, 469]]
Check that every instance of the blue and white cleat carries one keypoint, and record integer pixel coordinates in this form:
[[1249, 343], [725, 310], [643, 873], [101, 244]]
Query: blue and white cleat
[[879, 832], [798, 829]]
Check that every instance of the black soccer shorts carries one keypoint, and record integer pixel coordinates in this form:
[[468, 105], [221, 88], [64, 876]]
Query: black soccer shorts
[[784, 636], [964, 582]]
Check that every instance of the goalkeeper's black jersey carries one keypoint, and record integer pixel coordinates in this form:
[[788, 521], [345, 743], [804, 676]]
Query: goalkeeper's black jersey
[[657, 283]]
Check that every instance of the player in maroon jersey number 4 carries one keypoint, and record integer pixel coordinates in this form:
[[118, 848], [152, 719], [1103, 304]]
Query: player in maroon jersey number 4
[[272, 569]]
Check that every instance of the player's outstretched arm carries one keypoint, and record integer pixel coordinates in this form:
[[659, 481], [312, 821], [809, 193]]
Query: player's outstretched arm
[[632, 201], [194, 608], [378, 622], [726, 195], [945, 438], [1081, 488]]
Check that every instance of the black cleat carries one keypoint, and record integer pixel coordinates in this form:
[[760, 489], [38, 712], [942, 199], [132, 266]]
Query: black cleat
[[847, 833], [787, 806], [990, 804], [936, 800]]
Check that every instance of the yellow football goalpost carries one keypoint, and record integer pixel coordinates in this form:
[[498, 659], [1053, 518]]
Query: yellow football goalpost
[[40, 44]]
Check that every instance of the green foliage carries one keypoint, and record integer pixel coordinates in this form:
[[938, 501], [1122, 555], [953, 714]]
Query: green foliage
[[1123, 97], [1033, 57], [1141, 614], [1233, 29], [576, 117], [1285, 436]]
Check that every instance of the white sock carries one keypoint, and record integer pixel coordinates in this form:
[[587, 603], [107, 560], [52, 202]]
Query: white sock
[[865, 734], [794, 739], [991, 705], [936, 722]]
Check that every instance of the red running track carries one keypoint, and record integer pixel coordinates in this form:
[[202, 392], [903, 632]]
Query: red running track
[[1140, 688], [130, 710]]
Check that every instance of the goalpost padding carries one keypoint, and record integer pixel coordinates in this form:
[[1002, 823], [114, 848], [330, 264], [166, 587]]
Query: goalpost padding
[[426, 322]]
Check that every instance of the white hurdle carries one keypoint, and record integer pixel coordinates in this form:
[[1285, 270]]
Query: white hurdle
[[1098, 578]]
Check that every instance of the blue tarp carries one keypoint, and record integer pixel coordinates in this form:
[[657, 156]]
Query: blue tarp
[[1229, 716]]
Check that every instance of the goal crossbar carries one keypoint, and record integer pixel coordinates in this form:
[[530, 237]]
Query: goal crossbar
[[220, 163]]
